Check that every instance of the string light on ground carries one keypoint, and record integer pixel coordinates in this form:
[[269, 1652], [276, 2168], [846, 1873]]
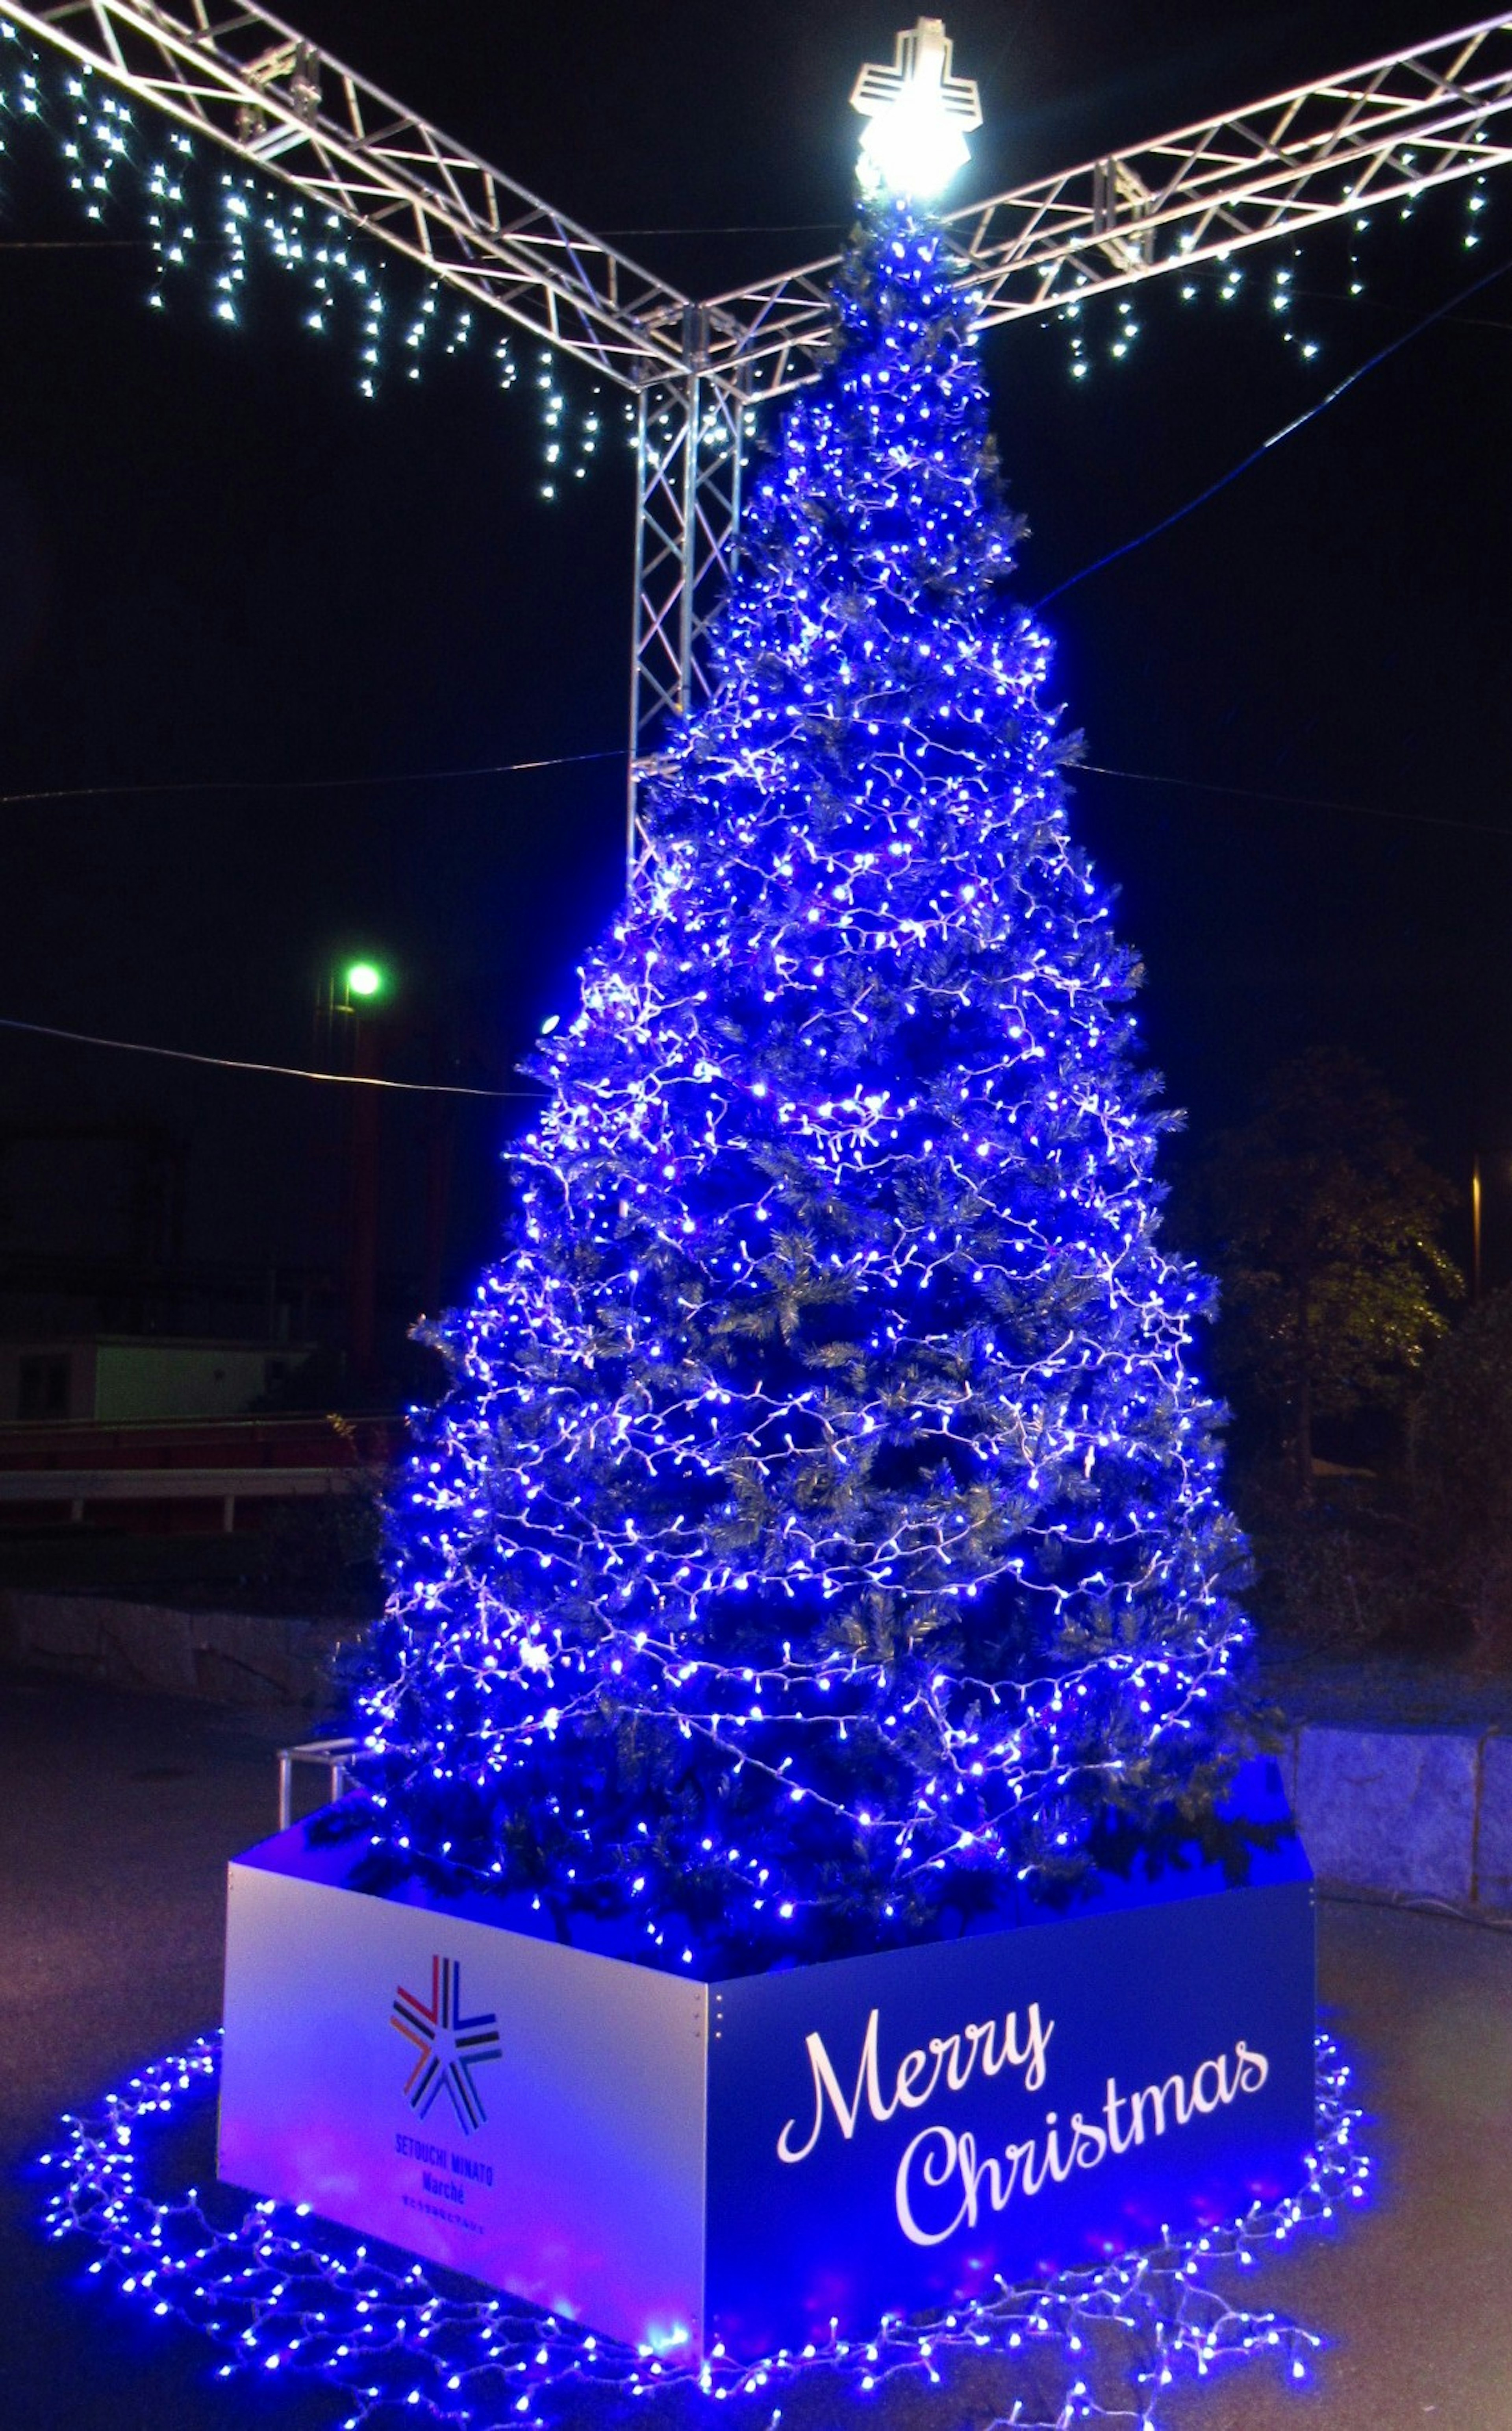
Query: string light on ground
[[822, 1542], [278, 2292]]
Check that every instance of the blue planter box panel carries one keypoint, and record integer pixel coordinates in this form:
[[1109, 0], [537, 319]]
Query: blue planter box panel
[[893, 2133]]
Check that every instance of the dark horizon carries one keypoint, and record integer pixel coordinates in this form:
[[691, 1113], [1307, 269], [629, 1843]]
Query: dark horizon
[[218, 560]]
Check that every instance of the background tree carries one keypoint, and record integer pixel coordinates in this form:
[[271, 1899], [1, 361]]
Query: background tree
[[1463, 1474], [1323, 1222]]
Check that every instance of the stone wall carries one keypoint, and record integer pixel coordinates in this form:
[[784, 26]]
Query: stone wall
[[1422, 1813], [1415, 1812], [236, 1658]]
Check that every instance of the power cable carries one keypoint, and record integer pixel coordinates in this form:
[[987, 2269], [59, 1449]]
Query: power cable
[[1292, 801], [449, 776], [764, 228], [1418, 1903], [239, 1063], [75, 243], [1126, 548], [303, 785], [448, 1089]]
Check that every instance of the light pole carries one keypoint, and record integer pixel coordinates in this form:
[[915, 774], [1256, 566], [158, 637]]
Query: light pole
[[363, 986]]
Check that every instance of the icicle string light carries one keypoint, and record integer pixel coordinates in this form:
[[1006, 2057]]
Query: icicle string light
[[280, 2292], [1103, 331], [212, 228], [1100, 333]]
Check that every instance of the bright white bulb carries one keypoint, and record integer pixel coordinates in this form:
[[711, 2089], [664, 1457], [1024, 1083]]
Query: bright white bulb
[[912, 149], [920, 116]]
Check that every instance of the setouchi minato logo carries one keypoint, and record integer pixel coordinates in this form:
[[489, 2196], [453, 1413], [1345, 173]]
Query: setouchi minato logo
[[448, 2046]]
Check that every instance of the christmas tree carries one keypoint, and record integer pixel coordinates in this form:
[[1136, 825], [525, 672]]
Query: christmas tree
[[821, 1540]]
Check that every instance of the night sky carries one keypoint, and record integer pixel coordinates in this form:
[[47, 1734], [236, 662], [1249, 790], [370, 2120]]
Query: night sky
[[218, 560]]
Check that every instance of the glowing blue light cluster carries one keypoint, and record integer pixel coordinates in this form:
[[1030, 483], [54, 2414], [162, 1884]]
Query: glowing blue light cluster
[[823, 1531], [280, 2292], [210, 230]]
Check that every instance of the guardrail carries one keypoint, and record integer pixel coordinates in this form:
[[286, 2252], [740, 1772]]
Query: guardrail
[[332, 1754], [39, 1489]]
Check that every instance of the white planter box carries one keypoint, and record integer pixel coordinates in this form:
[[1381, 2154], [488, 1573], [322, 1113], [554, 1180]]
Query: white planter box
[[678, 2162]]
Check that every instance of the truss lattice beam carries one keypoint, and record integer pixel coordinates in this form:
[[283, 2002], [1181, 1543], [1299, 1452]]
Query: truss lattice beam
[[1370, 135], [254, 86], [689, 473], [247, 81]]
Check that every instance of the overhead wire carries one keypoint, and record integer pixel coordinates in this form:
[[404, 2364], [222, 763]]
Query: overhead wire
[[517, 767], [454, 1089], [1292, 801], [450, 776], [1288, 430], [303, 785], [410, 776], [243, 1063], [74, 244]]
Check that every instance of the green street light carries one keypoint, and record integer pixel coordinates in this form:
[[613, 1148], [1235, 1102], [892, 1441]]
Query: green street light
[[364, 980]]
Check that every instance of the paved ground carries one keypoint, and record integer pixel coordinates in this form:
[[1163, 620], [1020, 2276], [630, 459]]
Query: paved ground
[[117, 1815]]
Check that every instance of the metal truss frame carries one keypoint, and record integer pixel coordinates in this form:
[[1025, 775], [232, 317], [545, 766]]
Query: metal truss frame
[[240, 78], [690, 462], [239, 75], [1372, 135]]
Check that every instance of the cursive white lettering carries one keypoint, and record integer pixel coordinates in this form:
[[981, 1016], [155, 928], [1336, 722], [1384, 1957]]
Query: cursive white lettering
[[910, 2066], [1084, 2138], [937, 2163], [915, 2082], [826, 2082], [937, 2169], [1156, 2096], [1210, 2103], [1032, 2058], [1119, 2142], [1052, 2166], [1253, 2067], [955, 2076]]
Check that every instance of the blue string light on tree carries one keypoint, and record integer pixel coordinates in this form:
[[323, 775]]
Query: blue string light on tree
[[822, 1536]]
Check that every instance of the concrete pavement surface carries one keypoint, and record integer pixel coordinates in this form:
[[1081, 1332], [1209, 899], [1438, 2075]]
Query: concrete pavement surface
[[117, 1815]]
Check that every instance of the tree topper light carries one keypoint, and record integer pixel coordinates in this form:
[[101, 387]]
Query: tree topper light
[[920, 116]]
